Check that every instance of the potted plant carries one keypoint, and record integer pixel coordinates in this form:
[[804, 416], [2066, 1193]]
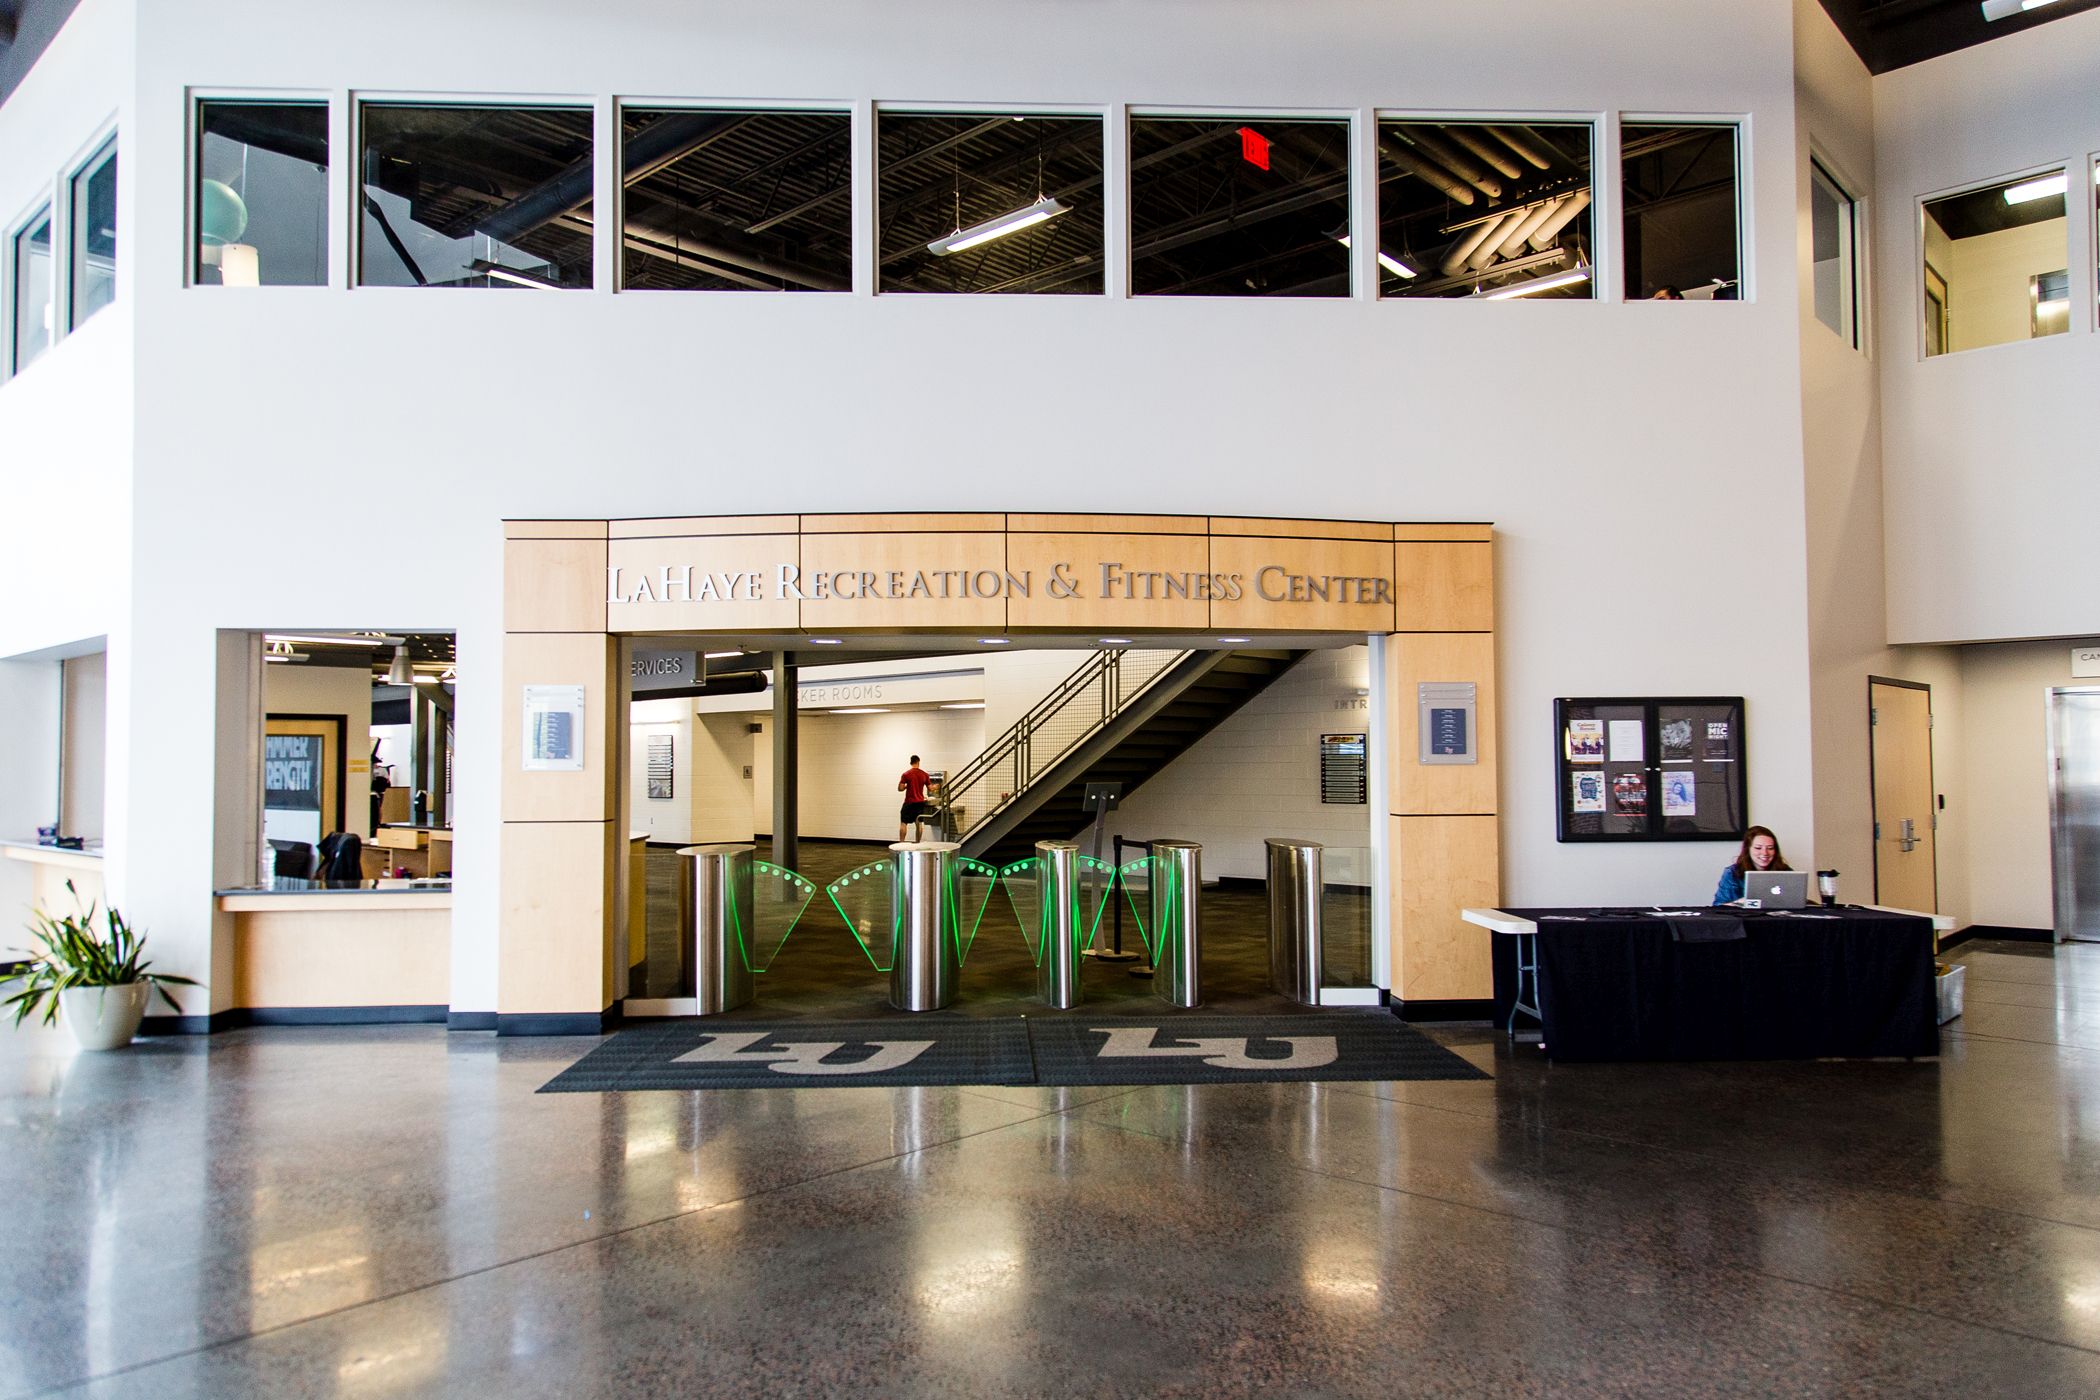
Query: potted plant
[[96, 974]]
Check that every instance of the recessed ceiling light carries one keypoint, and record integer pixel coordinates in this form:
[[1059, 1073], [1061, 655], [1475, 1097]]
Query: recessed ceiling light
[[993, 641], [965, 705], [1234, 639], [1115, 641], [719, 655], [827, 641], [859, 710]]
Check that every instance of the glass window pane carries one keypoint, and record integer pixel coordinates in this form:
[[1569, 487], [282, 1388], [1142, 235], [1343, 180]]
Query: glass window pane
[[1239, 207], [1681, 208], [475, 197], [986, 202], [261, 197], [1989, 256], [33, 289], [737, 201], [94, 236], [1832, 229], [1484, 209]]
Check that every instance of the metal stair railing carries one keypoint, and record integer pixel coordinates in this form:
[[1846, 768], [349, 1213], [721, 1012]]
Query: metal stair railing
[[1075, 709]]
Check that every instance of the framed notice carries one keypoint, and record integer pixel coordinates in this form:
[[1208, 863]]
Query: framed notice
[[1343, 777], [1650, 769], [553, 729]]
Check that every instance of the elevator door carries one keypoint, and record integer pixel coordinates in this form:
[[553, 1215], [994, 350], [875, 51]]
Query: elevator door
[[1905, 875], [2074, 810]]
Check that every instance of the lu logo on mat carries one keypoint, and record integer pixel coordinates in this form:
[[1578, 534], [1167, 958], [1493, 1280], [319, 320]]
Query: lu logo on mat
[[1046, 1050]]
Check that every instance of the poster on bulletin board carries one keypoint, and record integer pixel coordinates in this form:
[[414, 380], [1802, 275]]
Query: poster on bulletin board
[[1650, 769]]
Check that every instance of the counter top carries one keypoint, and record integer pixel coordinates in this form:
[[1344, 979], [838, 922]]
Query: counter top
[[1501, 921], [39, 854], [287, 885], [325, 899]]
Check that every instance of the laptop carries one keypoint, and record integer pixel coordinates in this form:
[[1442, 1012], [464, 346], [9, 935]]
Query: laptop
[[1775, 889]]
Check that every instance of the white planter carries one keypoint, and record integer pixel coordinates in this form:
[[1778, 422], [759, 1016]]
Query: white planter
[[104, 1018]]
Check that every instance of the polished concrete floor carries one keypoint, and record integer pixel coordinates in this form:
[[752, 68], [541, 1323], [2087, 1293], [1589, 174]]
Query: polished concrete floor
[[394, 1211]]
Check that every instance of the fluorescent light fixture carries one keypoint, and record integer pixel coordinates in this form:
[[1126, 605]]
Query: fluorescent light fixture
[[517, 276], [827, 641], [993, 641], [427, 680], [2048, 186], [1115, 641], [1235, 639], [1385, 260], [965, 705], [1541, 284], [333, 639], [719, 655], [1995, 10], [1014, 222], [861, 710], [403, 671]]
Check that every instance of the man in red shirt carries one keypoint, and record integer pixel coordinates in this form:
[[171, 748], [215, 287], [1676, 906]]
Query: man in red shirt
[[916, 808]]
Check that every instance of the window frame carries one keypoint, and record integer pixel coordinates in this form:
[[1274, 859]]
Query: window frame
[[43, 206], [192, 170], [1852, 279], [1923, 266], [1740, 123], [104, 145]]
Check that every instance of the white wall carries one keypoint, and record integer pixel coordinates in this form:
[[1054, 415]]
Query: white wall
[[1257, 774], [1987, 285], [1631, 419], [86, 742], [661, 819], [2006, 772], [724, 779], [1990, 491], [850, 765]]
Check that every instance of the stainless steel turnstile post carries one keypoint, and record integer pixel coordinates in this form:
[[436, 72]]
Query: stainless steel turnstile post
[[1294, 919], [928, 962], [1057, 876], [714, 906], [1177, 881]]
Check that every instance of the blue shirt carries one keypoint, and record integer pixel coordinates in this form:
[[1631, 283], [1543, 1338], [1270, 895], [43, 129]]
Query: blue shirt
[[1731, 887]]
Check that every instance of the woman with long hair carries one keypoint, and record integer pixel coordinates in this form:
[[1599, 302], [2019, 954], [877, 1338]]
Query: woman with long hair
[[1760, 851]]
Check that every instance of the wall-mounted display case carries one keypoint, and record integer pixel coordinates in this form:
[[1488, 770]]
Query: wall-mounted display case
[[1651, 769]]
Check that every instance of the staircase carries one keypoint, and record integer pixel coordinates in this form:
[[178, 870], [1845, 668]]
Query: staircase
[[1119, 718]]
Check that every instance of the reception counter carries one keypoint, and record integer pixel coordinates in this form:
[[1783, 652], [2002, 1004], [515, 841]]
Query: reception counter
[[372, 950], [51, 867]]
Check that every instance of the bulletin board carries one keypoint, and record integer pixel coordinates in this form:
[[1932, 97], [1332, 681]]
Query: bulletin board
[[1651, 769]]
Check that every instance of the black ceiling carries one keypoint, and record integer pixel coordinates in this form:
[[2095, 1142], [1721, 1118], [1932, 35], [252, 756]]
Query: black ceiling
[[1890, 34]]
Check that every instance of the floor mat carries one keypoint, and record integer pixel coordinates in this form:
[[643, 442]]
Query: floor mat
[[709, 1054], [1182, 1049], [1052, 1050]]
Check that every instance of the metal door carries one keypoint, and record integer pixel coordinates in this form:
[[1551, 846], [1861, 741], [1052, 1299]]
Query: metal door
[[2074, 810], [1905, 873]]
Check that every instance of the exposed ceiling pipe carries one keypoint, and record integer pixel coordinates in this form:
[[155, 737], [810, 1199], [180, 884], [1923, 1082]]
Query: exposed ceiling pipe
[[1491, 245], [1524, 143], [1404, 156], [653, 147], [1526, 227], [1542, 237], [1464, 247], [722, 248], [1493, 155], [1456, 160]]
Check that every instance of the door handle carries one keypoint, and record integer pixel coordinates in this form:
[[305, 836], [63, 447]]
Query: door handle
[[1909, 835]]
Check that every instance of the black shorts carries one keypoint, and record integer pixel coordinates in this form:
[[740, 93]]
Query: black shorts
[[914, 811]]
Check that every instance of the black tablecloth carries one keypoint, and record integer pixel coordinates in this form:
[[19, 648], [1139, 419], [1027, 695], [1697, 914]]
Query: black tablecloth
[[1617, 985]]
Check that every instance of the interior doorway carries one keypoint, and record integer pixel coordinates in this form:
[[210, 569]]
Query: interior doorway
[[2074, 811], [1906, 820]]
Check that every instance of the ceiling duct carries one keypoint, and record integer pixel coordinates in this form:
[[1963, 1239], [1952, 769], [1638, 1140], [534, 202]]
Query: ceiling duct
[[1542, 237], [1527, 226], [1524, 143], [1404, 156], [1464, 247], [1491, 245], [1501, 162], [1454, 159]]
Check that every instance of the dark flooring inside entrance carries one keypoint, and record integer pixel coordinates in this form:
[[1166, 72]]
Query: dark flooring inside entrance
[[821, 972]]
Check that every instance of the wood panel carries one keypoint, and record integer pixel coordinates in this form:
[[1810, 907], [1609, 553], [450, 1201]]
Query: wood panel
[[366, 901], [711, 578], [1300, 529], [1109, 524], [1901, 740], [555, 938], [551, 658], [321, 955], [1422, 788], [1267, 566], [1445, 587], [1442, 865], [554, 585], [1186, 556], [902, 524], [671, 526], [1423, 531], [893, 561], [554, 529]]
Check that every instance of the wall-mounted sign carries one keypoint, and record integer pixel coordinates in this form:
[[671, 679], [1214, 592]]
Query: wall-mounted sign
[[1106, 579], [1446, 721], [553, 729], [660, 765], [1343, 773], [649, 669], [2085, 661]]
